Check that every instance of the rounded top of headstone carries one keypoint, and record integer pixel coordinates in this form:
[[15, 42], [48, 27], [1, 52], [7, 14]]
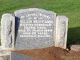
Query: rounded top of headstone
[[62, 17], [7, 15], [34, 9]]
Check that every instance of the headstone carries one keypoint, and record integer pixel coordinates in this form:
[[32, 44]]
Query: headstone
[[35, 28], [17, 56], [31, 28], [75, 47], [7, 30], [61, 31]]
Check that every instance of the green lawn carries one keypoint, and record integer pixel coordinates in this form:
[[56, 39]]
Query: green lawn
[[69, 8]]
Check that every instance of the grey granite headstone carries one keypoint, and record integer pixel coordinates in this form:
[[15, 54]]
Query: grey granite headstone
[[31, 28], [61, 31], [7, 30], [35, 28], [17, 56]]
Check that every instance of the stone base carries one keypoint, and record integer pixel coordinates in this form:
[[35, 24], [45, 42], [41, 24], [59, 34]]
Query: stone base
[[5, 53], [7, 57]]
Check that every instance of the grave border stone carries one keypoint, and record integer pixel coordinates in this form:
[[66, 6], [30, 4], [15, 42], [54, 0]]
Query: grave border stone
[[59, 21]]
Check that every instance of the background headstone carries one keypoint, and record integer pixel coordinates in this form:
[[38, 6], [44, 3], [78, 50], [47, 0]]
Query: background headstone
[[75, 47], [61, 31], [7, 30], [35, 28]]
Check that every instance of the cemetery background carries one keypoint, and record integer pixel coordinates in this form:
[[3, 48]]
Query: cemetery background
[[69, 8]]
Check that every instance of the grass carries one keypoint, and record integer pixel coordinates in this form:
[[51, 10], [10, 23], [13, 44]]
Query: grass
[[69, 8]]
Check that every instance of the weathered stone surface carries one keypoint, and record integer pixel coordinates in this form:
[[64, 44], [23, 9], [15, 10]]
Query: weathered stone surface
[[35, 28], [61, 31], [7, 30], [75, 47], [16, 56]]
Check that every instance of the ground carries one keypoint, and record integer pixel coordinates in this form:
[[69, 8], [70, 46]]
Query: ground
[[51, 53]]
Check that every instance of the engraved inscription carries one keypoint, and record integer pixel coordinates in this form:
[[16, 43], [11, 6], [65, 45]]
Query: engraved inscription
[[33, 26]]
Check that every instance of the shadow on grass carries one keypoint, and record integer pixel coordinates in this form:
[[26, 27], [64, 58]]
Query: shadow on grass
[[73, 36]]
